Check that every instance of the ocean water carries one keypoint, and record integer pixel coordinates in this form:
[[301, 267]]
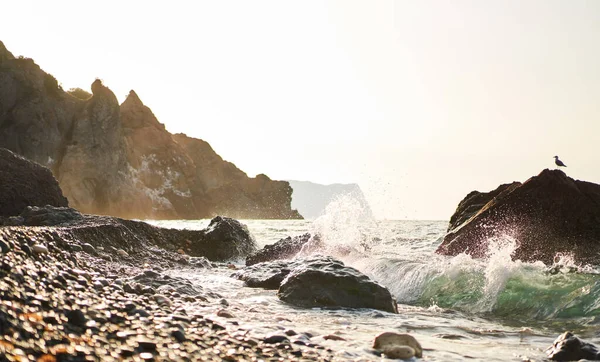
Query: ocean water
[[458, 308]]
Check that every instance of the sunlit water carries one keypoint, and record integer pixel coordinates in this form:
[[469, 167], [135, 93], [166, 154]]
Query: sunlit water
[[458, 308]]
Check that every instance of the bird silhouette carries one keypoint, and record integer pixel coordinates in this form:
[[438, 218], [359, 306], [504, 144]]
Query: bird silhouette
[[558, 162]]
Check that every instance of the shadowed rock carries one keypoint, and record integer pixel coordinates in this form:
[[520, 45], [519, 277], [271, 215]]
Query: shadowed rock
[[285, 248], [567, 347], [548, 214], [24, 183], [318, 281]]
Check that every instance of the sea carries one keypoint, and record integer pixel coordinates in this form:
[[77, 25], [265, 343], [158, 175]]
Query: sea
[[458, 308]]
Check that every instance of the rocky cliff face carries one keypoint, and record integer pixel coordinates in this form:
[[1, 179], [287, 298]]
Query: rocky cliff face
[[119, 159]]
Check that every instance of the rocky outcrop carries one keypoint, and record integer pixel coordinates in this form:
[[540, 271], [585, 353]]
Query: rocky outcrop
[[567, 347], [119, 160], [318, 281], [286, 248], [311, 199], [25, 183], [223, 240], [548, 215]]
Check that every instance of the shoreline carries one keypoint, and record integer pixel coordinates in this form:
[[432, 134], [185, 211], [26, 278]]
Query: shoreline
[[62, 305]]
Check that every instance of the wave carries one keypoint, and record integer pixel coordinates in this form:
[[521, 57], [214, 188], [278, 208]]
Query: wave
[[496, 286]]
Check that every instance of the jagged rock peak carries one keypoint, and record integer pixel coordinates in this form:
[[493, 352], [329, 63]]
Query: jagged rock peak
[[4, 53], [102, 91], [133, 100]]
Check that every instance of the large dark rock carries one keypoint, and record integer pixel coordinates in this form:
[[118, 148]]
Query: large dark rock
[[24, 183], [223, 239], [318, 281], [567, 347], [327, 282], [285, 248], [548, 214]]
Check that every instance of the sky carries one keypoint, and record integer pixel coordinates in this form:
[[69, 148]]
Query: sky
[[419, 102]]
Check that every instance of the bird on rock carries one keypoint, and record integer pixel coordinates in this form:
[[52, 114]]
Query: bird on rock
[[558, 162]]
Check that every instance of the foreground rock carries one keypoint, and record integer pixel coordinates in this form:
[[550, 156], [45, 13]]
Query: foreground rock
[[567, 347], [286, 248], [548, 214], [118, 159], [319, 281], [396, 345], [24, 183]]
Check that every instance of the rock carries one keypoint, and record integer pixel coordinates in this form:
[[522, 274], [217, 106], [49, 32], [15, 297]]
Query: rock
[[24, 183], [396, 345], [89, 248], [327, 282], [548, 214], [156, 281], [284, 249], [333, 337], [122, 253], [39, 249], [76, 318], [268, 275], [276, 338], [225, 314], [223, 239], [49, 215], [4, 248], [567, 347]]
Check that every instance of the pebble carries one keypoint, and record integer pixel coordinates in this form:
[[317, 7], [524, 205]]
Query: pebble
[[76, 318], [4, 248], [395, 345], [89, 248], [225, 314], [39, 249], [276, 338], [122, 253]]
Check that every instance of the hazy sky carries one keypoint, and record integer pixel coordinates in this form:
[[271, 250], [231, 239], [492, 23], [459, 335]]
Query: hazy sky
[[419, 102]]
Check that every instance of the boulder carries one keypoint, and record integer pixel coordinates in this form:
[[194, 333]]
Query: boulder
[[322, 281], [223, 239], [567, 347], [285, 248], [25, 183], [548, 215]]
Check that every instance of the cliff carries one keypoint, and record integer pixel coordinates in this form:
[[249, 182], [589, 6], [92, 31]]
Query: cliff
[[120, 160], [311, 199]]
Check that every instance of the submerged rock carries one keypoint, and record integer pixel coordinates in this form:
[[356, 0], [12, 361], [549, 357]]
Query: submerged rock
[[285, 248], [398, 345], [546, 215], [25, 183], [567, 347]]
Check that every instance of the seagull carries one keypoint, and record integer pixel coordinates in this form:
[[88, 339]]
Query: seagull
[[559, 162]]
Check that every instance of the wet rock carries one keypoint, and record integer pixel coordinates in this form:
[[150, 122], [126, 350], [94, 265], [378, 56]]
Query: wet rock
[[548, 214], [178, 334], [397, 345], [223, 239], [323, 281], [268, 275], [285, 249], [568, 347]]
